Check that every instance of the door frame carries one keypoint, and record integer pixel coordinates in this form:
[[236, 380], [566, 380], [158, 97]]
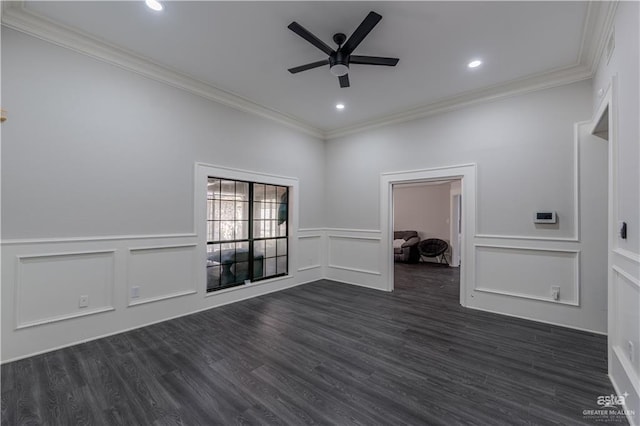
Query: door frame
[[455, 227], [466, 173], [606, 114]]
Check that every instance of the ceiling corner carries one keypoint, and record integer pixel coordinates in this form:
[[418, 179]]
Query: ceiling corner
[[597, 28], [15, 16]]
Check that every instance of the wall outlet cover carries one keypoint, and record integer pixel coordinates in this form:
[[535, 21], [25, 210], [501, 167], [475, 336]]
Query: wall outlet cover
[[84, 301], [555, 292]]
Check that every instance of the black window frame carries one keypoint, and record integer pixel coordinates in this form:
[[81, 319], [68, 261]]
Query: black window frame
[[253, 256]]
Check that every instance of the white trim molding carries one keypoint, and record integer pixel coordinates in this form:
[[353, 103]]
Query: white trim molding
[[307, 268], [467, 174], [65, 240], [56, 270], [596, 30], [201, 173], [635, 282], [179, 272], [628, 255], [51, 320], [347, 268], [311, 249], [160, 298], [539, 320], [350, 237], [575, 301], [16, 16], [547, 80], [359, 251], [301, 237]]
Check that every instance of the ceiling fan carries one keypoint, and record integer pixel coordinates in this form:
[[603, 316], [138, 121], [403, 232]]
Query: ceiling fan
[[340, 59]]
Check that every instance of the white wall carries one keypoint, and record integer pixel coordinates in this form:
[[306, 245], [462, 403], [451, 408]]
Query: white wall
[[624, 280], [98, 168], [522, 145], [95, 150], [424, 208], [526, 150]]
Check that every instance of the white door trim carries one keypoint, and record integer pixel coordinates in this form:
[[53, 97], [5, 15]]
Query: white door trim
[[467, 174]]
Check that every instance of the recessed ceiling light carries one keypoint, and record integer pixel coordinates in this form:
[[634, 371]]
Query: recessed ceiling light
[[339, 106], [154, 5], [474, 64]]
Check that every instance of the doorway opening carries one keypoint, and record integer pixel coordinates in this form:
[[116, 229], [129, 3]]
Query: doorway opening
[[431, 211], [462, 218], [427, 232]]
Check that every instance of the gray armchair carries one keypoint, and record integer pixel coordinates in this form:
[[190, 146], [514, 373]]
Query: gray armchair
[[406, 251]]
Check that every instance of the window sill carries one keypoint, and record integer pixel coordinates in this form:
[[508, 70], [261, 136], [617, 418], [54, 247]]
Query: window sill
[[245, 286]]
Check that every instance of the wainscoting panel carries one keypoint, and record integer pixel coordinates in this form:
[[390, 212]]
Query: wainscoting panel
[[528, 272], [354, 257], [627, 339], [310, 252], [355, 253], [624, 338], [42, 281], [158, 273], [49, 286]]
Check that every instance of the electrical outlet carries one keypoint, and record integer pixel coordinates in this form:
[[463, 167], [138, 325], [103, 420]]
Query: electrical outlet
[[84, 301], [135, 292], [631, 350], [555, 292]]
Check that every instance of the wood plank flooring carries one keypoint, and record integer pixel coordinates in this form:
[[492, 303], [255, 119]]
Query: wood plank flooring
[[323, 353]]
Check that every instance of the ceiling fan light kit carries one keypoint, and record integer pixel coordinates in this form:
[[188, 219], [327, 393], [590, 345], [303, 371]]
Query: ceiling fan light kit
[[340, 58]]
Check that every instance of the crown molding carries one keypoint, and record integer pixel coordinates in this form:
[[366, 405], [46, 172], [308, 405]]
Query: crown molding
[[595, 32], [596, 29], [533, 83], [17, 17]]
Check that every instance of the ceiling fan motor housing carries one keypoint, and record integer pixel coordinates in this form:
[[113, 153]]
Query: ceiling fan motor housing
[[339, 63]]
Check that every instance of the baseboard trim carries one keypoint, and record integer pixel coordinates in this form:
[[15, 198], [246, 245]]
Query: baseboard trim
[[527, 296], [586, 330], [616, 386], [358, 284], [65, 317], [161, 298], [361, 271], [306, 268]]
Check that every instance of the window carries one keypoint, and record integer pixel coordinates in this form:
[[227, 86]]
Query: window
[[247, 232]]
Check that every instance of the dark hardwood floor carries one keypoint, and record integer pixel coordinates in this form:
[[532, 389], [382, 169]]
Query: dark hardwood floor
[[322, 353]]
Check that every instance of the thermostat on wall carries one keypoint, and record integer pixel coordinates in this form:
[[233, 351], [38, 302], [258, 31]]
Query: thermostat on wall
[[545, 217]]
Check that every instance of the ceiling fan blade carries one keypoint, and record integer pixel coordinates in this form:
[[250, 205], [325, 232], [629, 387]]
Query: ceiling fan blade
[[309, 66], [344, 80], [373, 60], [361, 32], [305, 34]]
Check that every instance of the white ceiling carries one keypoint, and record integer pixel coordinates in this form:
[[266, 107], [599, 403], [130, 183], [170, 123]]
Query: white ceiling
[[245, 48]]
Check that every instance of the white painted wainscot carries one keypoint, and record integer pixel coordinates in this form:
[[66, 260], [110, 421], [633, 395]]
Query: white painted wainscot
[[130, 281]]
